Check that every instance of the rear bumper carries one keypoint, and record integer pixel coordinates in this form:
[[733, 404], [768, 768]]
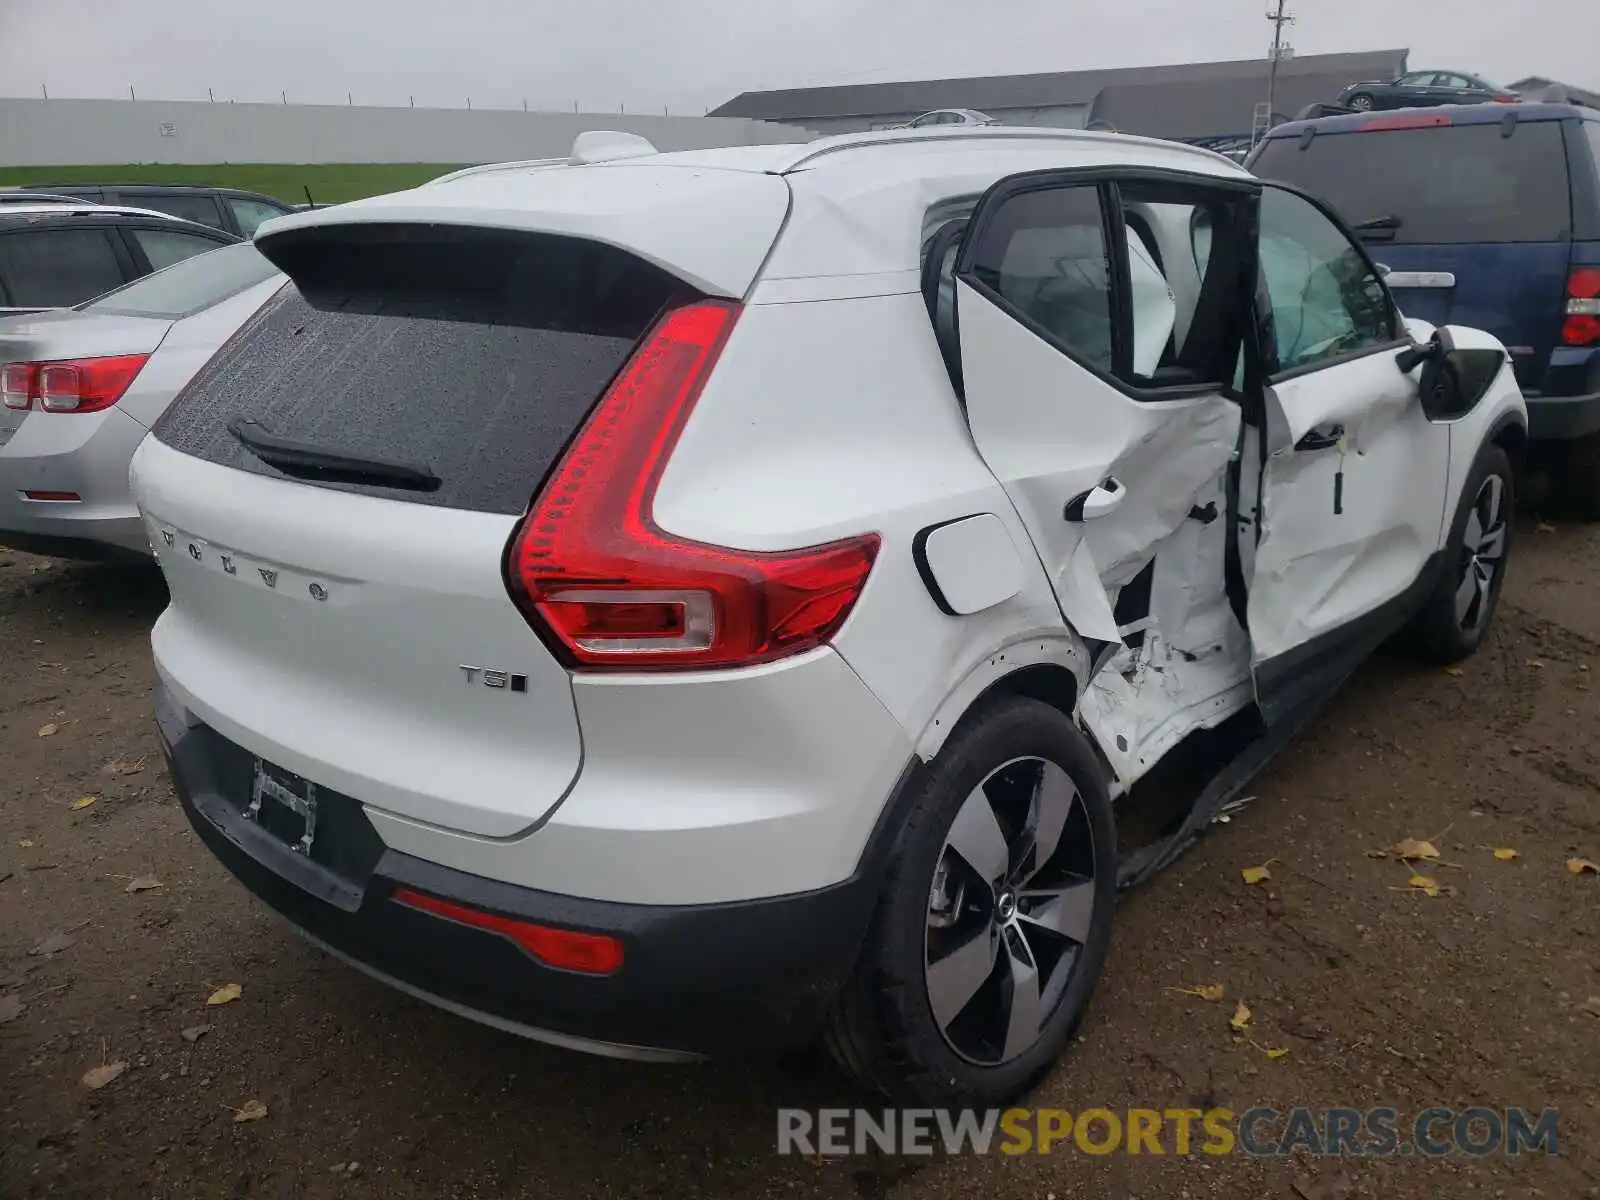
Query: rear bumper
[[84, 455], [1562, 418], [696, 980]]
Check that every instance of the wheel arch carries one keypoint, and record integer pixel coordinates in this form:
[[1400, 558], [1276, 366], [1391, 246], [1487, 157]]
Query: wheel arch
[[1510, 433]]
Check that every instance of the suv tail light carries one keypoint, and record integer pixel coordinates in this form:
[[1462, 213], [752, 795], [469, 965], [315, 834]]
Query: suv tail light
[[1582, 324], [608, 589], [76, 385]]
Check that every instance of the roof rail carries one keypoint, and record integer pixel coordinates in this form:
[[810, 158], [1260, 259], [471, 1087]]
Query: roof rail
[[809, 152]]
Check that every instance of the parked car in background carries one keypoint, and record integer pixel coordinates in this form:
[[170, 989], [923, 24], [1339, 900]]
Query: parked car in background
[[80, 387], [796, 698], [951, 116], [1488, 217], [229, 209], [1421, 89], [57, 254]]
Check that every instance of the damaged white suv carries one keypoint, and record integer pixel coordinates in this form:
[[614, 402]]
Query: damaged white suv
[[677, 604]]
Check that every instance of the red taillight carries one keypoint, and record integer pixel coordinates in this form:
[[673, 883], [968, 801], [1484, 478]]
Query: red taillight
[[589, 953], [610, 590], [1406, 121], [1582, 324], [78, 385]]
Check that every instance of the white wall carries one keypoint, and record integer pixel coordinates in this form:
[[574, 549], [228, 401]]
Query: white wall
[[39, 133]]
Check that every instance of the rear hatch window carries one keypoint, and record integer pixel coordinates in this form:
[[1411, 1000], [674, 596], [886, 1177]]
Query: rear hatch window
[[471, 354], [1446, 183]]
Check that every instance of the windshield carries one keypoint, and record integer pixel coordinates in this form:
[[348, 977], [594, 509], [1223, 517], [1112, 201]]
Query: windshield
[[187, 287]]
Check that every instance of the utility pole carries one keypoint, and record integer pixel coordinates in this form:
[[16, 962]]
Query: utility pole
[[1279, 18]]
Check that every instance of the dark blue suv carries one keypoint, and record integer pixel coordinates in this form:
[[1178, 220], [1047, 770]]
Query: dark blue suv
[[1482, 215]]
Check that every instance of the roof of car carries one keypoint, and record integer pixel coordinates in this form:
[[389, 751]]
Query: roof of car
[[1444, 114], [130, 186], [57, 208]]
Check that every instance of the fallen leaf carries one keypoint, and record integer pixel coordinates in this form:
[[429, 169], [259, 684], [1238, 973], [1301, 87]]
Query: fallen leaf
[[97, 1077], [1241, 1018], [195, 1032], [10, 1008], [26, 843], [1412, 849], [1377, 853], [1455, 671], [1536, 664], [83, 802], [1277, 1053], [1592, 1006], [1255, 875], [1423, 884], [118, 766], [143, 883], [1504, 853], [1210, 991], [54, 944], [1582, 866], [49, 730], [1545, 527], [226, 994], [253, 1110]]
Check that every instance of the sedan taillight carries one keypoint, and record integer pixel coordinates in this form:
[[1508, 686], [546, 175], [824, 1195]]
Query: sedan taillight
[[75, 385]]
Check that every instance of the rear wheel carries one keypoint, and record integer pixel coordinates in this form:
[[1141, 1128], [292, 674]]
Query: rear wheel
[[994, 919], [1461, 606], [1361, 102]]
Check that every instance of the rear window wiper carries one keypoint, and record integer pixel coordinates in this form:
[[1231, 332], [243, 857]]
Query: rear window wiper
[[308, 461]]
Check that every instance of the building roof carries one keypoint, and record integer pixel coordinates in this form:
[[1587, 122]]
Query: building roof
[[1188, 100], [1537, 87]]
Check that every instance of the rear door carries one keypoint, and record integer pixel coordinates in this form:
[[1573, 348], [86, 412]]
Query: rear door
[[1473, 221], [1100, 403]]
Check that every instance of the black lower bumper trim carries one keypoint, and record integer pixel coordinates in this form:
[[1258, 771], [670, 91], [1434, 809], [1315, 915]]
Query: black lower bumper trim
[[705, 980], [1562, 418]]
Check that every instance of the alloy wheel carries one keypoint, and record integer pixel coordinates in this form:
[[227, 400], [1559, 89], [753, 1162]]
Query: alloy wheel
[[1483, 549], [1009, 910]]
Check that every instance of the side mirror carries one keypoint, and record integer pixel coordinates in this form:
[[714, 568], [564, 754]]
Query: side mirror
[[1454, 376]]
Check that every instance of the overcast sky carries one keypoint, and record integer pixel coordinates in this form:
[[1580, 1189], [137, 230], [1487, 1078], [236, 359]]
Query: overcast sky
[[691, 54]]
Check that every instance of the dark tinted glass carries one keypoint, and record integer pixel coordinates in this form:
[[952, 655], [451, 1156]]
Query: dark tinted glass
[[1446, 183], [188, 205], [1044, 253], [474, 354], [53, 268]]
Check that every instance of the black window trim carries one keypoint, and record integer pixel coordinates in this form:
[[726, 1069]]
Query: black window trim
[[1104, 180], [1400, 335]]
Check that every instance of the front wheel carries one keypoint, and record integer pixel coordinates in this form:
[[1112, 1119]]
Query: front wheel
[[1459, 610], [994, 918], [1361, 102]]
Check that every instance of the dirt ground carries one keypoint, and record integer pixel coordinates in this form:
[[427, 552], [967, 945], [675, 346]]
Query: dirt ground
[[1382, 996]]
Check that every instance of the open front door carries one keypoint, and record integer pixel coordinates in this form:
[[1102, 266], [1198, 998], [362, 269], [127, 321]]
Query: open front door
[[1096, 354], [1353, 474]]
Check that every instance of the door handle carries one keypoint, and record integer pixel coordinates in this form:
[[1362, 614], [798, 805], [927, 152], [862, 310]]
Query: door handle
[[1323, 437], [1096, 502]]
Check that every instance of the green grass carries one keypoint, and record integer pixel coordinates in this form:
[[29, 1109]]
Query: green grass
[[330, 183]]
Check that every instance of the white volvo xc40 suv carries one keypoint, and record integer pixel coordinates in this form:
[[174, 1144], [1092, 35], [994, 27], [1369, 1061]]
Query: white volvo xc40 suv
[[678, 604]]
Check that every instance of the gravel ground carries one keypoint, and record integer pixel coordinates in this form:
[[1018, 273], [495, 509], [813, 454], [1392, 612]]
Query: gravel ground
[[1380, 995]]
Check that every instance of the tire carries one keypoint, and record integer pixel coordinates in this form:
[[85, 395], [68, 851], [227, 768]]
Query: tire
[[938, 920], [1361, 102], [1454, 619], [1579, 481]]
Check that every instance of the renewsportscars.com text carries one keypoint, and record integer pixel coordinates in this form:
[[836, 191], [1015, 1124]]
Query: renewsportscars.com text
[[1257, 1132]]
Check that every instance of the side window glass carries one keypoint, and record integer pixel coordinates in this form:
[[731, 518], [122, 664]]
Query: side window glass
[[190, 206], [164, 247], [54, 268], [251, 213], [1044, 254], [1325, 301]]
